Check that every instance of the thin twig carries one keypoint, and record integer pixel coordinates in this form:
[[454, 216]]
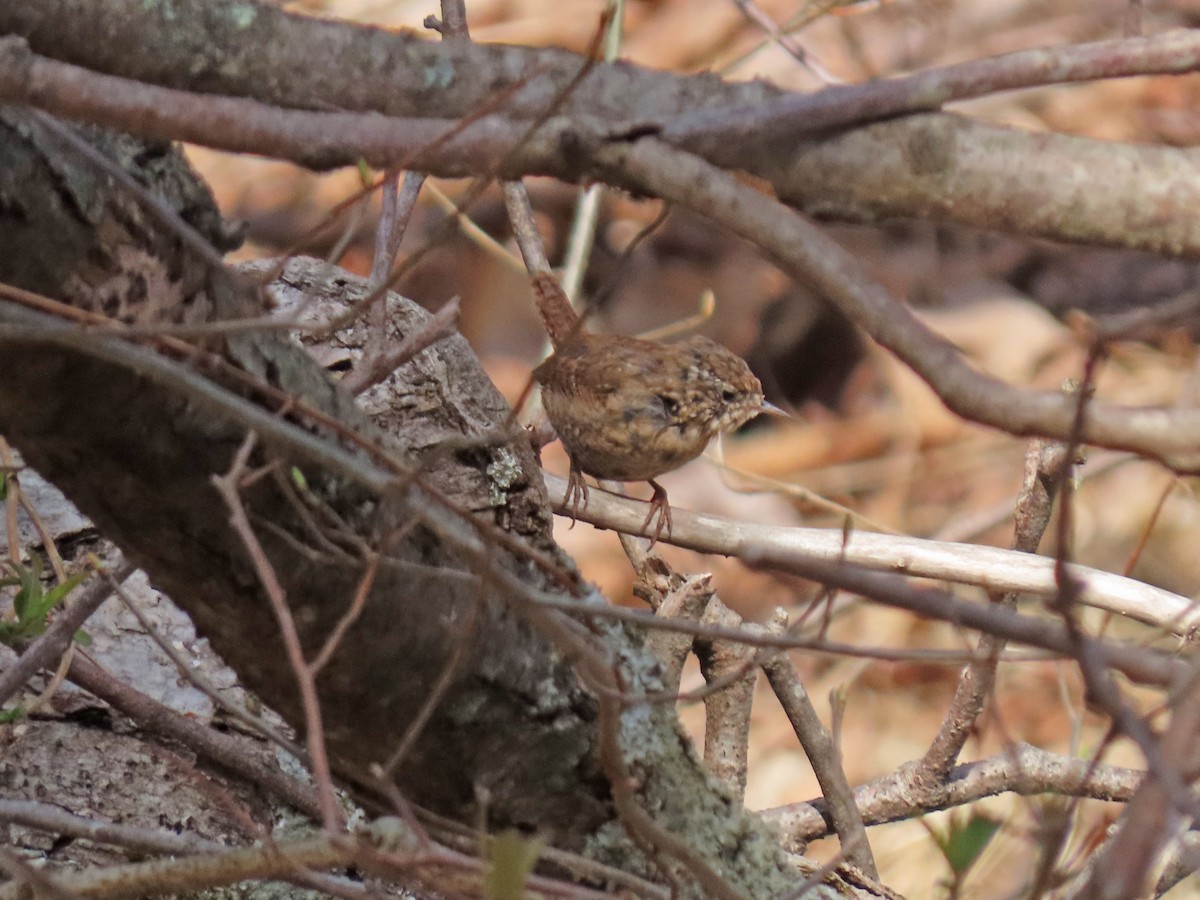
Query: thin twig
[[473, 232], [222, 749], [348, 618], [228, 487], [776, 35], [374, 369], [206, 687], [171, 876], [1046, 466], [524, 226], [1021, 768], [823, 754], [395, 210], [56, 820], [841, 106]]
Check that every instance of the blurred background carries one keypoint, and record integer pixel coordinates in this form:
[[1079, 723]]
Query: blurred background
[[867, 434]]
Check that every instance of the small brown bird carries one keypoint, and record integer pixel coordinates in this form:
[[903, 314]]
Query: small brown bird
[[630, 410]]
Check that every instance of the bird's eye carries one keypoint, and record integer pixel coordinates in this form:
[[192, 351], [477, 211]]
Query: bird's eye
[[669, 404], [729, 395]]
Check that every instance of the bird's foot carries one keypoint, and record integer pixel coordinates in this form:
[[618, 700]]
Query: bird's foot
[[662, 509], [576, 497]]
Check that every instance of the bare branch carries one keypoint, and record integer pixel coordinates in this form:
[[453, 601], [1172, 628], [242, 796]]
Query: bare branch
[[825, 757], [1045, 467], [1022, 768], [992, 568], [229, 487], [47, 817], [797, 115], [813, 258], [950, 166]]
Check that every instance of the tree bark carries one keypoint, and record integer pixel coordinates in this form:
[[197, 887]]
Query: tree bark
[[515, 735]]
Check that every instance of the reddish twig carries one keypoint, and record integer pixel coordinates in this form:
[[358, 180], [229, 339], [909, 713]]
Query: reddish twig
[[209, 743], [229, 489], [235, 710], [349, 617]]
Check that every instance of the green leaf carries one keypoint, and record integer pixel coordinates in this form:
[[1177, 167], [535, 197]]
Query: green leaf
[[30, 580], [8, 716], [82, 638], [59, 592], [364, 173], [32, 602], [511, 859], [299, 480], [965, 842]]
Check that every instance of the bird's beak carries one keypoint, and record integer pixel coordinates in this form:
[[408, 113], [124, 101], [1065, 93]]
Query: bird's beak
[[772, 410]]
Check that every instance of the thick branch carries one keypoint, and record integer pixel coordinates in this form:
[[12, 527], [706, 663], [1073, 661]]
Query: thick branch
[[936, 166], [813, 258], [992, 568]]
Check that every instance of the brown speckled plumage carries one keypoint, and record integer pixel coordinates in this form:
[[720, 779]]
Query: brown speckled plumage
[[630, 410]]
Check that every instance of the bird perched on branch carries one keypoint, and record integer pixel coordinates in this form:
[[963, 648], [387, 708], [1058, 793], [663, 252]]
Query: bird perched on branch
[[628, 409]]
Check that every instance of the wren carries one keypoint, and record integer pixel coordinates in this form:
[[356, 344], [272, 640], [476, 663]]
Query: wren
[[630, 410]]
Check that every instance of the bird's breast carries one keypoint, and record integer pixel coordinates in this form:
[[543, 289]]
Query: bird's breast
[[626, 443]]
